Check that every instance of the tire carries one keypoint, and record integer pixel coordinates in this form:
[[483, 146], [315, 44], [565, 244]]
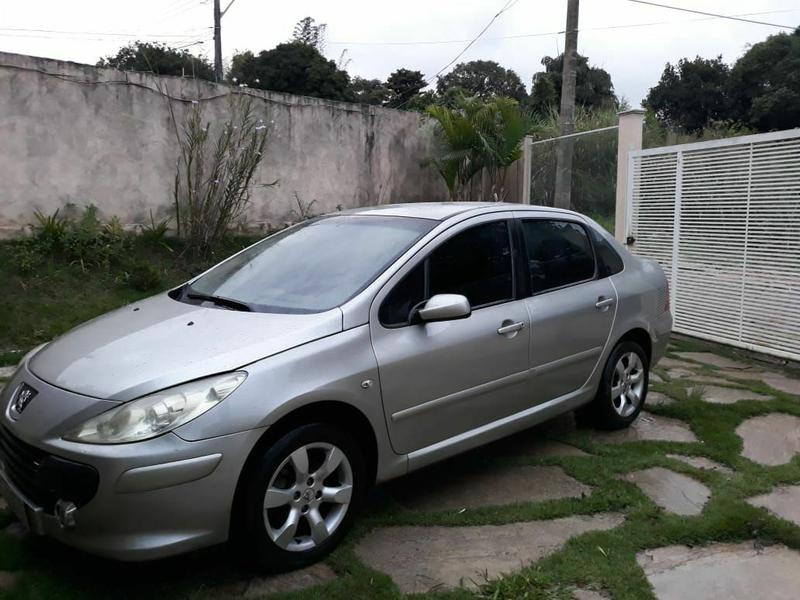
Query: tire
[[623, 388], [293, 515]]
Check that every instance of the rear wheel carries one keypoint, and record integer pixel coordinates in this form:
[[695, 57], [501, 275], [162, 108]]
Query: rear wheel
[[623, 387], [302, 496]]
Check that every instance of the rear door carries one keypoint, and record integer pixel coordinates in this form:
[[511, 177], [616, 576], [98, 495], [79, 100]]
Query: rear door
[[442, 379], [571, 305]]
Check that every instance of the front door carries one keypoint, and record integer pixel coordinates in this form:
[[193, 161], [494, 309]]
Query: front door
[[571, 307], [441, 379]]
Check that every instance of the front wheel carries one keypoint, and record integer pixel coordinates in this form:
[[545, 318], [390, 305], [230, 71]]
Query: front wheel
[[302, 496], [623, 387]]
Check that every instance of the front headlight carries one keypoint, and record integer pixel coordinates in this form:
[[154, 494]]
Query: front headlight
[[158, 413]]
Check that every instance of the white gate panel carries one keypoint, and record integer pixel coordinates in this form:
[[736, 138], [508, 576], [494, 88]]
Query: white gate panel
[[723, 220]]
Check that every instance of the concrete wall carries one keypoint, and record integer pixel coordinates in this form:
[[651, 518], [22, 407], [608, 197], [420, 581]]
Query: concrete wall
[[72, 133]]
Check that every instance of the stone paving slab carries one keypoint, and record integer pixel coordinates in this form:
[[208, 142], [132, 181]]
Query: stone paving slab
[[771, 439], [658, 399], [673, 363], [778, 381], [655, 378], [712, 380], [729, 571], [647, 427], [584, 594], [714, 360], [8, 580], [681, 373], [725, 395], [7, 372], [421, 558], [701, 462], [293, 581], [438, 489], [674, 492], [539, 441], [533, 447], [783, 501]]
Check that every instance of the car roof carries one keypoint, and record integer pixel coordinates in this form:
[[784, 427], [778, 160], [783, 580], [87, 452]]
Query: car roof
[[441, 211]]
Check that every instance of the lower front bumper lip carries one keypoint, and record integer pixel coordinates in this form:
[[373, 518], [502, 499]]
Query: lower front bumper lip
[[32, 516], [140, 479]]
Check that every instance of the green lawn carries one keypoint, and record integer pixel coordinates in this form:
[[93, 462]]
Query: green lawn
[[38, 306]]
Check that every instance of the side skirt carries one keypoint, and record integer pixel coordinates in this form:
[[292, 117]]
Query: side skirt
[[498, 429]]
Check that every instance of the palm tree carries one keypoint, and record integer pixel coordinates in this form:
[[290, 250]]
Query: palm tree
[[478, 135]]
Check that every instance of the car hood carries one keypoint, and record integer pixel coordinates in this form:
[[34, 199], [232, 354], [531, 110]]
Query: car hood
[[160, 342]]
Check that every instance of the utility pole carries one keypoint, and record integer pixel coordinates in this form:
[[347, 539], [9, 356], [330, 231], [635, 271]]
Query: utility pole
[[217, 42], [218, 14], [567, 117]]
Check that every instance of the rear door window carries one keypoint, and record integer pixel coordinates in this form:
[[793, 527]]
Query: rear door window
[[608, 261], [559, 254]]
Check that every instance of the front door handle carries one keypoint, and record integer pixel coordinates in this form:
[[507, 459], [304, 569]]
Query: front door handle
[[603, 303], [512, 328]]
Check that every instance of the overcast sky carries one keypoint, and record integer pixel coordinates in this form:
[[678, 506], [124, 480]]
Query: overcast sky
[[369, 31]]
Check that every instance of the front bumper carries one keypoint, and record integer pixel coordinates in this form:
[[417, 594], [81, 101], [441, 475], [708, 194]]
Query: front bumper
[[154, 498]]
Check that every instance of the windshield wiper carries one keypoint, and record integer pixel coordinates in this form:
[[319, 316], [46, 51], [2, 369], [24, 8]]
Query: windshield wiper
[[220, 301]]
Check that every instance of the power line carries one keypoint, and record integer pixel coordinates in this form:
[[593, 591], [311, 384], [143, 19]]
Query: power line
[[549, 33], [508, 5], [708, 14], [428, 80], [176, 10], [108, 34]]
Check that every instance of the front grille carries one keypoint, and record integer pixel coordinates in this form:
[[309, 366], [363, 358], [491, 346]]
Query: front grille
[[44, 478]]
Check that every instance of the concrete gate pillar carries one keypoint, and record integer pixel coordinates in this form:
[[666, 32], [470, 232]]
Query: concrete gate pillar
[[631, 123]]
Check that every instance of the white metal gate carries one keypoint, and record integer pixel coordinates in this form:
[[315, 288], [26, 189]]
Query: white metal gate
[[723, 220]]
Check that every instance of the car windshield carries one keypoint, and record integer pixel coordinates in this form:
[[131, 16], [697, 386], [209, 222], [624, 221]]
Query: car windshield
[[312, 267]]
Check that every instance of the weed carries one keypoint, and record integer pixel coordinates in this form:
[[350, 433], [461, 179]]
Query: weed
[[155, 232], [144, 277]]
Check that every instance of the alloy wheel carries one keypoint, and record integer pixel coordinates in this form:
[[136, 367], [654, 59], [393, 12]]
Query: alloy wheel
[[308, 496], [627, 384]]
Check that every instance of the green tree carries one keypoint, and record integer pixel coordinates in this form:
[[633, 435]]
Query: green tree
[[159, 58], [308, 32], [370, 91], [485, 79], [544, 96], [404, 85], [594, 88], [764, 84], [478, 135], [691, 94], [294, 68]]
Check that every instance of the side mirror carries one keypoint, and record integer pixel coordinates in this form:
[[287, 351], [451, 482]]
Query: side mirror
[[444, 307]]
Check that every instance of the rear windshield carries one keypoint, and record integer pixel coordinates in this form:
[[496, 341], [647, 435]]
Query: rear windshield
[[315, 266]]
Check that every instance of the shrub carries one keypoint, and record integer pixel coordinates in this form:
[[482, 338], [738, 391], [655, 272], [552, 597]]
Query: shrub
[[50, 229], [144, 277], [26, 258], [155, 233], [85, 241], [215, 168]]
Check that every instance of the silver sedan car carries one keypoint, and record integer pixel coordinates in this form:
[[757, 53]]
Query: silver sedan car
[[260, 400]]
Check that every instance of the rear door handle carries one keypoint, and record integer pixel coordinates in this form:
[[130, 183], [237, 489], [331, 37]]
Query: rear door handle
[[603, 303], [510, 328]]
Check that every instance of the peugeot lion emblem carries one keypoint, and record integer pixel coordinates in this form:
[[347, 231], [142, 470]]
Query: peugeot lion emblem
[[25, 394]]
